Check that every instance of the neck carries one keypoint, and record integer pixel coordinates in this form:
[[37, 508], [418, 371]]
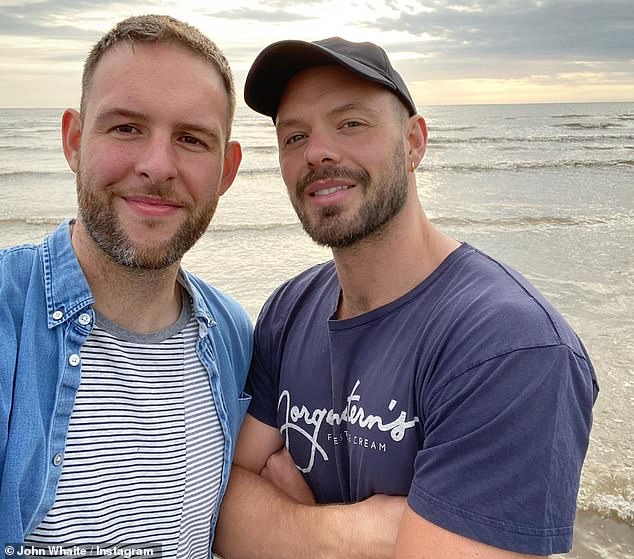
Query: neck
[[142, 301], [390, 263]]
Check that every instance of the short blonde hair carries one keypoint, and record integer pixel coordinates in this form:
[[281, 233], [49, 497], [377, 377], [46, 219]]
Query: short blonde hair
[[166, 30]]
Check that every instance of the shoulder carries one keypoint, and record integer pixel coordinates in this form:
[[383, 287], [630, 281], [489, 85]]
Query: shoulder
[[19, 255], [54, 252], [16, 266], [303, 302], [315, 284], [491, 309], [225, 310], [22, 294]]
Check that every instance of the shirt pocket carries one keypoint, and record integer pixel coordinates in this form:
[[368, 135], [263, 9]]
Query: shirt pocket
[[243, 404]]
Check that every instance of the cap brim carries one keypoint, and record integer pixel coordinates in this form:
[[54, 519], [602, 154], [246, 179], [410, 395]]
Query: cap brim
[[278, 63]]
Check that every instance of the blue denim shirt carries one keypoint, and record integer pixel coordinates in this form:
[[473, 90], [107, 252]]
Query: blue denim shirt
[[45, 317]]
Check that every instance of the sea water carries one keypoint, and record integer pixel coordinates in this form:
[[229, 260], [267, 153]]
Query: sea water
[[549, 189]]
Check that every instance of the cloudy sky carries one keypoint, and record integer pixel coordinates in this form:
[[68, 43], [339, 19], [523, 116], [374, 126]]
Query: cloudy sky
[[448, 51]]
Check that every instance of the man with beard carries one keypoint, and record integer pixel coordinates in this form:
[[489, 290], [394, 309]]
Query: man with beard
[[410, 365], [122, 374]]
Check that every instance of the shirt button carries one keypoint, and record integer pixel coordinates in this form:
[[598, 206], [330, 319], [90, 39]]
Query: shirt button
[[58, 315], [84, 319], [57, 459], [74, 359]]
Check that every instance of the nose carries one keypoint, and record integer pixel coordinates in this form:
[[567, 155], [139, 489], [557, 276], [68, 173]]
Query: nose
[[320, 149], [157, 160]]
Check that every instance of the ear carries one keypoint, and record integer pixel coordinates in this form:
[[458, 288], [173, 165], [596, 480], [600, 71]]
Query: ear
[[71, 137], [416, 137], [232, 159]]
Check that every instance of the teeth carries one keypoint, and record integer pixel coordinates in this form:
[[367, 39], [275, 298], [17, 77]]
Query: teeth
[[330, 190]]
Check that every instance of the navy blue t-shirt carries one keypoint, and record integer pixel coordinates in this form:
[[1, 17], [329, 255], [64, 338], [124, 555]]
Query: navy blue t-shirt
[[470, 394]]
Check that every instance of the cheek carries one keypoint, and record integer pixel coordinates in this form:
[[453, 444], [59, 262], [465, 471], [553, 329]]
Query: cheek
[[201, 180], [105, 163], [289, 170]]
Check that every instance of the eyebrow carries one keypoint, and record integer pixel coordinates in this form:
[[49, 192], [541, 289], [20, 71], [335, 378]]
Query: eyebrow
[[116, 112], [354, 105]]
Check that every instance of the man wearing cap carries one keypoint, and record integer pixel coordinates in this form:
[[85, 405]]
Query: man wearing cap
[[409, 365]]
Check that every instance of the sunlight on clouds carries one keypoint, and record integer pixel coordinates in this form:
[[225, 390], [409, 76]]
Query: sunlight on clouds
[[349, 20], [100, 18], [314, 21], [537, 89], [47, 43], [408, 7]]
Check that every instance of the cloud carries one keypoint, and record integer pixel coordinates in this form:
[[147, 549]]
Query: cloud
[[447, 42], [512, 39], [247, 14], [82, 20], [521, 29]]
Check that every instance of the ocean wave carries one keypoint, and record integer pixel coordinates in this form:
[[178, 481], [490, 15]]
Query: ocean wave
[[528, 165], [610, 494], [530, 139], [521, 221], [571, 115], [476, 139], [259, 171], [41, 148], [34, 174], [433, 128], [583, 126], [256, 227], [17, 220], [615, 507]]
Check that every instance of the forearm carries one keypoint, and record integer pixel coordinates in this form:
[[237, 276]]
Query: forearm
[[258, 521]]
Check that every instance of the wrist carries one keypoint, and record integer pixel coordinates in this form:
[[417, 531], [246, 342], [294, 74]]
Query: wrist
[[340, 531]]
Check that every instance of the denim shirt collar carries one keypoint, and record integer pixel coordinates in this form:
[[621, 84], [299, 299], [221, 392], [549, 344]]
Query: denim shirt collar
[[202, 312], [67, 291]]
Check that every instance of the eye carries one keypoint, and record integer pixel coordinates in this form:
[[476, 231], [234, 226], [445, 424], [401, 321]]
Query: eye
[[294, 138], [352, 124], [126, 129], [191, 140]]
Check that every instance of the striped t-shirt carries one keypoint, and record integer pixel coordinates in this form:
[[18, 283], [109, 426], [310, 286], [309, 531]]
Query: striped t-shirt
[[144, 452]]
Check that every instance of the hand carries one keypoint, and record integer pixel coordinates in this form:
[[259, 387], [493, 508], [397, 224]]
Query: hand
[[282, 472], [373, 523]]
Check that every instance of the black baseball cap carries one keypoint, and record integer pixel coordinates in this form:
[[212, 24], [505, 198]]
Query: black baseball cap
[[278, 63]]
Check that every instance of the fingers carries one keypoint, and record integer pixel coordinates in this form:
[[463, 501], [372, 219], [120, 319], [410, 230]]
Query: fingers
[[282, 472]]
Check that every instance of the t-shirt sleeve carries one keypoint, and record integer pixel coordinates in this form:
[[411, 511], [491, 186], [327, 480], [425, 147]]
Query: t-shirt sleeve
[[503, 451], [263, 378]]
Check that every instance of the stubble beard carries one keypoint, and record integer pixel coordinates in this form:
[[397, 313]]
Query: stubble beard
[[383, 199], [109, 235]]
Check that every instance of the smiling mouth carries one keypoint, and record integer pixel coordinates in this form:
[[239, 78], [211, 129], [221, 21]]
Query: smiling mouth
[[332, 190], [152, 201]]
